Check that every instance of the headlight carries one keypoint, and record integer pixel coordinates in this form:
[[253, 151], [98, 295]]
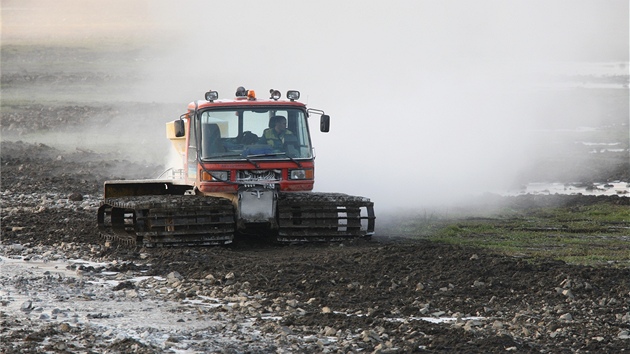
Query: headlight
[[301, 174], [217, 176], [275, 94], [212, 96], [293, 95]]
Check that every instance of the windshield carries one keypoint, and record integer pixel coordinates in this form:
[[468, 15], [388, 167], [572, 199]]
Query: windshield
[[227, 134]]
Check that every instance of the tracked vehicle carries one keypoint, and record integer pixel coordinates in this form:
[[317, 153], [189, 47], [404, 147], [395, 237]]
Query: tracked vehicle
[[246, 167]]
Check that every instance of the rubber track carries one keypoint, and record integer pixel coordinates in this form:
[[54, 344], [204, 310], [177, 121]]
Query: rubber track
[[167, 220], [323, 217]]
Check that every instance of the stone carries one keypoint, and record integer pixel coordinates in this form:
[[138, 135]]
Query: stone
[[497, 325], [566, 317], [16, 246], [174, 276], [75, 197], [27, 306], [329, 331]]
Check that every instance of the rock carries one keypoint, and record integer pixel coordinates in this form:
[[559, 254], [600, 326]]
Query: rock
[[566, 317], [61, 346], [76, 197], [16, 246], [27, 306], [326, 309], [174, 276], [370, 336], [329, 331]]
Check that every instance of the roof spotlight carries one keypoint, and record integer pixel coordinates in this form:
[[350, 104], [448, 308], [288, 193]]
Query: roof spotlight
[[275, 94], [212, 95], [241, 92], [293, 95]]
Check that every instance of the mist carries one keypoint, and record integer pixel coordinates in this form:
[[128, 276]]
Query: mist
[[430, 102]]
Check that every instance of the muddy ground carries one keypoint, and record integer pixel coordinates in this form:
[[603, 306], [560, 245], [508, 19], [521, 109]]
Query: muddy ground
[[63, 290], [364, 296]]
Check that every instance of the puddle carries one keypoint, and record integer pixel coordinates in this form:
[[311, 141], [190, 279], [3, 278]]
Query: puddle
[[621, 189]]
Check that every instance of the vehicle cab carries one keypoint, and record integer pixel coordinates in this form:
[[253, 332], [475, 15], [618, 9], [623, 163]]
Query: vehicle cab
[[247, 141]]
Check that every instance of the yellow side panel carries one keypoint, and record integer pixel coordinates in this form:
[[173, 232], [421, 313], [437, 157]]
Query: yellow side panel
[[179, 143]]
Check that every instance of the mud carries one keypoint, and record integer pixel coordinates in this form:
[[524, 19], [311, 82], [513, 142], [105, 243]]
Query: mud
[[357, 296]]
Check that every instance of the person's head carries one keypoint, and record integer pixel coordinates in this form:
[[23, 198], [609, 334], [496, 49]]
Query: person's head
[[279, 124]]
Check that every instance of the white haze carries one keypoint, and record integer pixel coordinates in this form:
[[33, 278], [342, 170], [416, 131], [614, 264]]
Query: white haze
[[430, 101]]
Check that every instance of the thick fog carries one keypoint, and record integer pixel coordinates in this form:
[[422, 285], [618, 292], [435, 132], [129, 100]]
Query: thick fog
[[430, 100]]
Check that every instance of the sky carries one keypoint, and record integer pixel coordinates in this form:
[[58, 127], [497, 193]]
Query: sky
[[429, 100]]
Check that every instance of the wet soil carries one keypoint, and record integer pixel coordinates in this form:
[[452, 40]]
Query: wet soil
[[364, 295], [384, 295]]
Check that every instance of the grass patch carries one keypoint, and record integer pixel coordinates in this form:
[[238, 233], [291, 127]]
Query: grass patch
[[585, 234]]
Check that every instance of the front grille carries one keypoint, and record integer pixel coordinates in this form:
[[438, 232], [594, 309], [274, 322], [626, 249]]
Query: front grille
[[258, 175]]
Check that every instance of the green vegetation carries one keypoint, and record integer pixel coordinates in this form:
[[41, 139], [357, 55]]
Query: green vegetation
[[583, 234]]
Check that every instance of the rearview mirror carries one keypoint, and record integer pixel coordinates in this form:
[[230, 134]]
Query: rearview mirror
[[324, 123], [179, 128]]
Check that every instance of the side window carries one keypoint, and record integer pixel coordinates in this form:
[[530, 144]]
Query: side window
[[227, 121]]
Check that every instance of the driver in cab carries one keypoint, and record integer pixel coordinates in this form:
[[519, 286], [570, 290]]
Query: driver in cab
[[275, 134]]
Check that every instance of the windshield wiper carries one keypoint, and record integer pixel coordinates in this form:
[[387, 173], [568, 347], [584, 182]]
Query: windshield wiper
[[252, 162], [275, 154], [235, 155], [248, 157]]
